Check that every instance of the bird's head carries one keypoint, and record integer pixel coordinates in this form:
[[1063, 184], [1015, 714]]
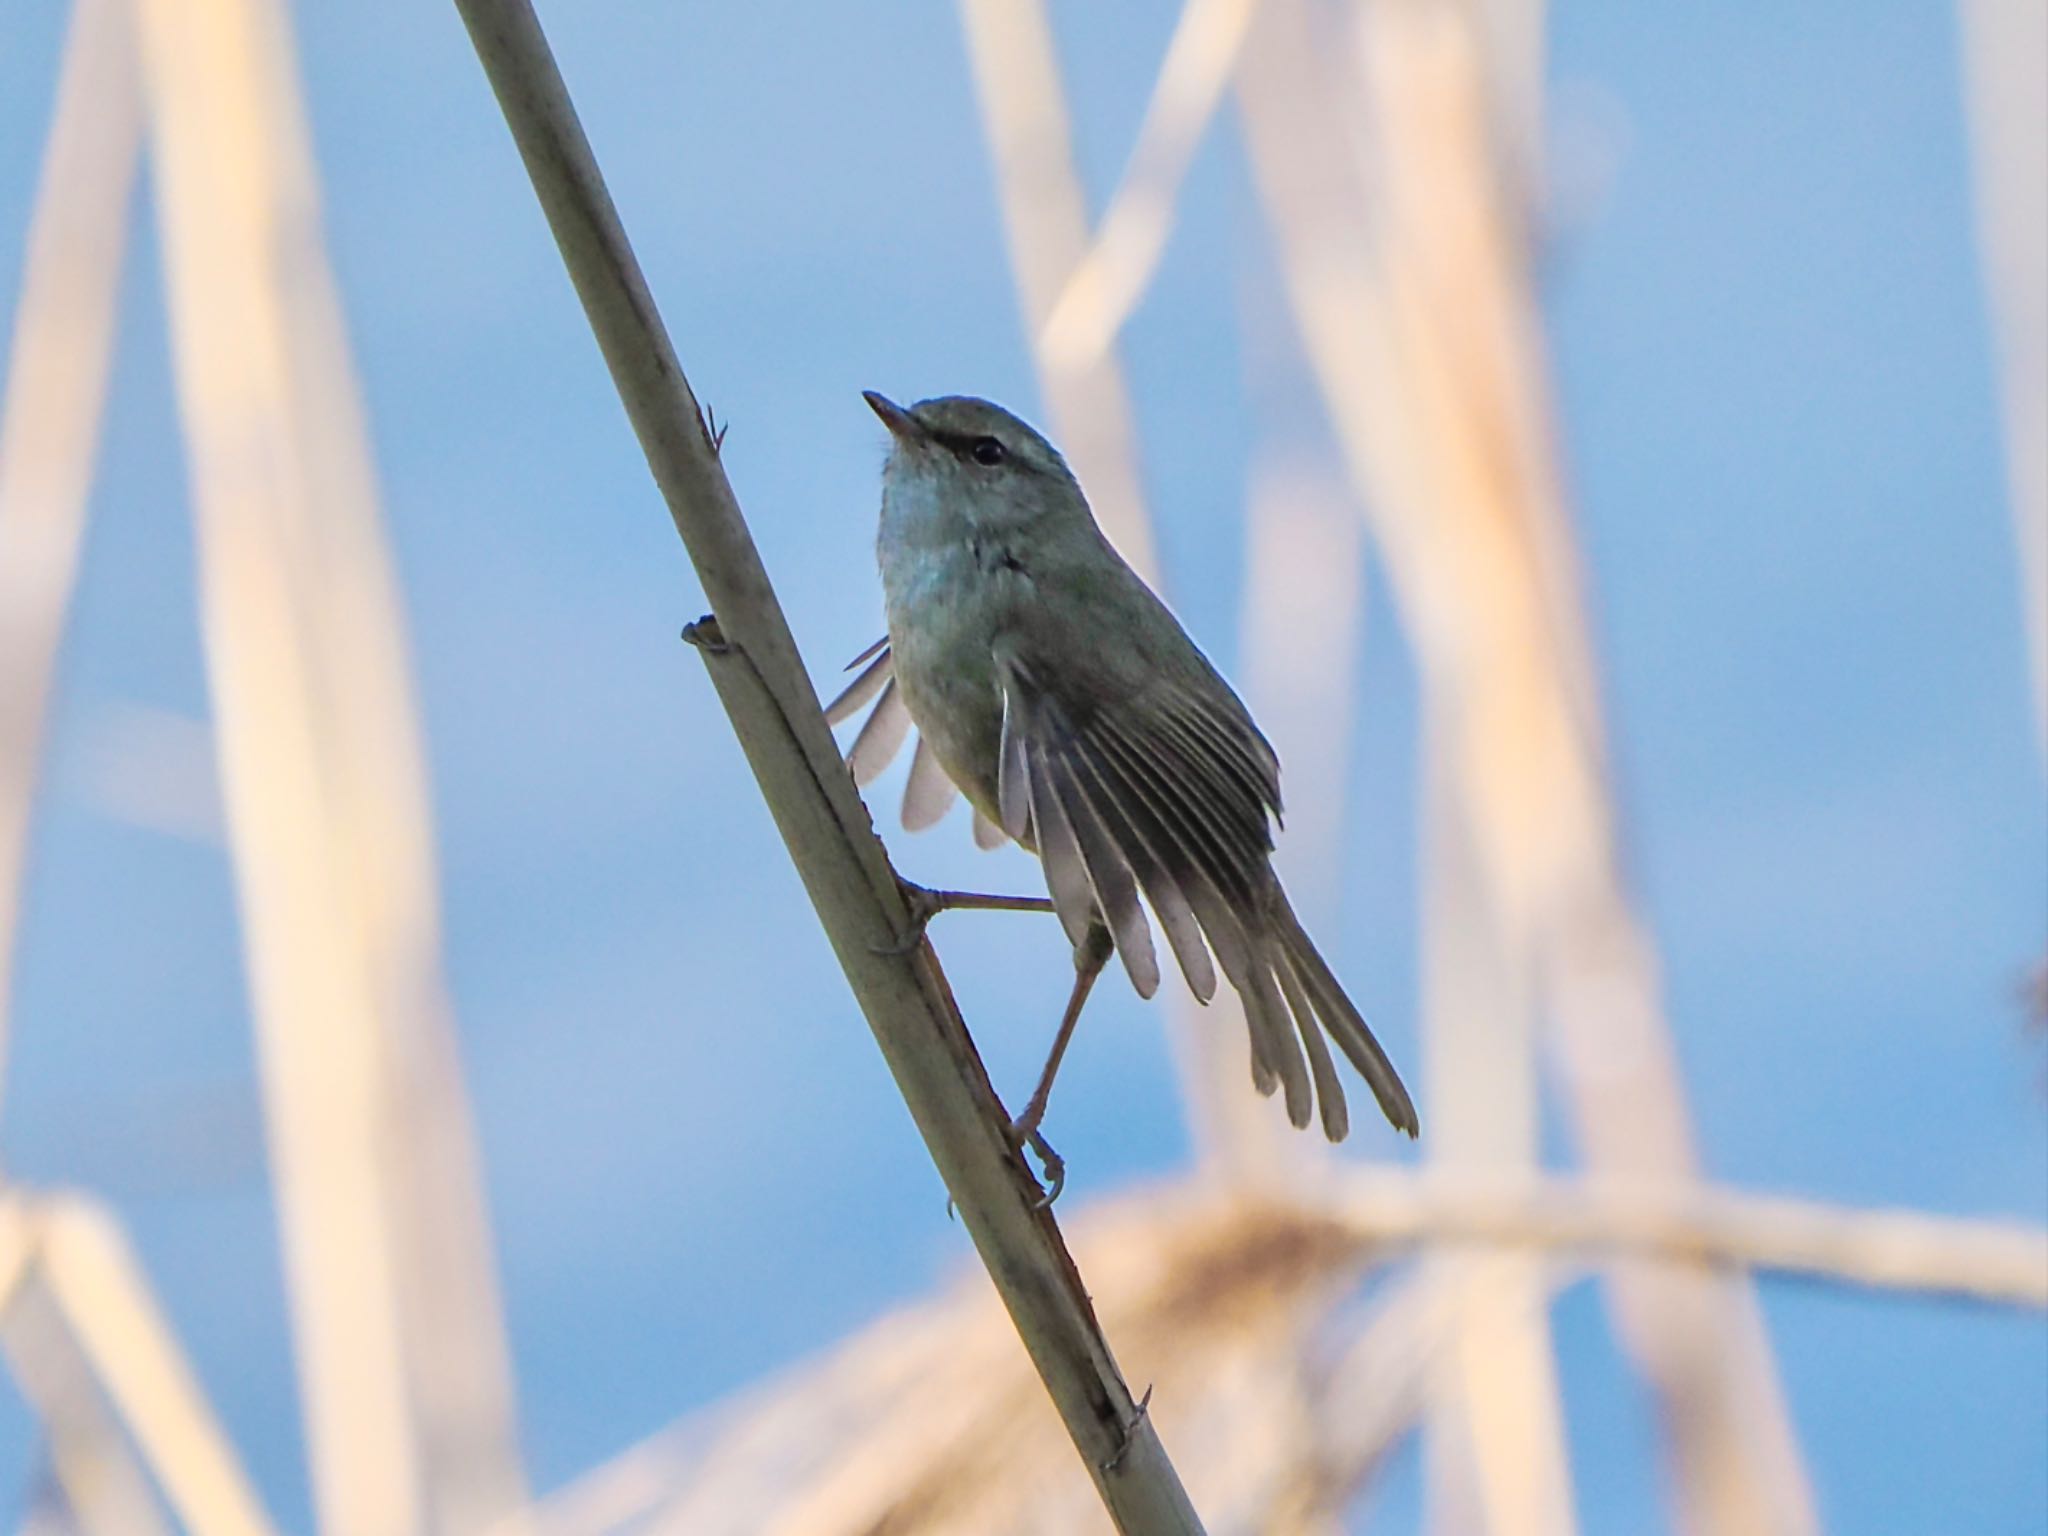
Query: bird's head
[[977, 462]]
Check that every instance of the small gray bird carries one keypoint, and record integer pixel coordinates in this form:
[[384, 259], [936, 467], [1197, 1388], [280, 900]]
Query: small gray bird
[[1050, 685]]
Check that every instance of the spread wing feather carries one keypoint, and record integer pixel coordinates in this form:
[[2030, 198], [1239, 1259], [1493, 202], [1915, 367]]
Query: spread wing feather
[[1172, 794], [929, 793], [1065, 876], [881, 666], [1226, 847], [881, 738], [1142, 839], [1013, 797], [882, 735], [1235, 745], [870, 653], [1109, 873]]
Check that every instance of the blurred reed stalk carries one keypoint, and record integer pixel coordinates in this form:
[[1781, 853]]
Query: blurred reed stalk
[[92, 1482], [1045, 215], [2005, 73], [402, 1359], [1304, 602], [1108, 278], [1024, 110], [1496, 1453], [761, 680], [50, 411], [1430, 358], [460, 1371], [927, 1420], [103, 1334], [2006, 91], [82, 1335]]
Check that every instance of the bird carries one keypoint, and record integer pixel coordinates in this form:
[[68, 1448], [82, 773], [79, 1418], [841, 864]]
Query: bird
[[1055, 690]]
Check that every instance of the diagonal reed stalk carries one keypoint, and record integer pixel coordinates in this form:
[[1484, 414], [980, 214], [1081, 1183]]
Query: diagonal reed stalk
[[107, 1304], [456, 1354], [92, 1481], [1045, 216], [760, 679], [1496, 1457], [2005, 74], [1108, 281], [50, 409], [321, 1051], [251, 295], [402, 1358], [104, 1339]]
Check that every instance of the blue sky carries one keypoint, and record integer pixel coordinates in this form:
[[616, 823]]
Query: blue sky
[[1776, 391]]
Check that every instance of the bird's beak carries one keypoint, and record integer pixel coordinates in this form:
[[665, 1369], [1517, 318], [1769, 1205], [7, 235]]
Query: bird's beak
[[902, 426]]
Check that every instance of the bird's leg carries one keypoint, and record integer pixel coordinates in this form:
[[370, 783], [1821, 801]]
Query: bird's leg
[[926, 904], [1090, 955]]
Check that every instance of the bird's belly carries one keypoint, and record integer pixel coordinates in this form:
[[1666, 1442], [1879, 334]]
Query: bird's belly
[[945, 665]]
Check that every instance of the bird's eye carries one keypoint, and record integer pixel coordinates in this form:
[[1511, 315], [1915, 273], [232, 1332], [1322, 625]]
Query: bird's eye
[[987, 450]]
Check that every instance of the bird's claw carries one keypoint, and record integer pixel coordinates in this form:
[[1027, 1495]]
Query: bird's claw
[[1055, 1176], [1055, 1173]]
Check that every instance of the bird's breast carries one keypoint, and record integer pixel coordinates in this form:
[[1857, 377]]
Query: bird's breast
[[946, 608]]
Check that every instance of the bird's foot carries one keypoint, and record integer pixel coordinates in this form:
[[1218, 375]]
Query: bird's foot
[[926, 904], [1055, 1166], [1024, 1133], [1055, 1176]]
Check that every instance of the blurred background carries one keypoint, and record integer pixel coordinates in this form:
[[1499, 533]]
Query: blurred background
[[1607, 445]]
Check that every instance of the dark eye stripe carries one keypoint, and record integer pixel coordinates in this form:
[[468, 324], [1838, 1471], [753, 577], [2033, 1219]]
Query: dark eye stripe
[[963, 443]]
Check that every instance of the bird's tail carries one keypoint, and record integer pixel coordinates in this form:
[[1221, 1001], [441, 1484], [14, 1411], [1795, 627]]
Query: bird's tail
[[1291, 967]]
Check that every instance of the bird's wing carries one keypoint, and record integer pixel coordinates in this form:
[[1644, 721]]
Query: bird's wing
[[887, 726], [881, 738], [929, 794], [1161, 791], [880, 668], [1166, 791], [870, 653], [1168, 788]]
